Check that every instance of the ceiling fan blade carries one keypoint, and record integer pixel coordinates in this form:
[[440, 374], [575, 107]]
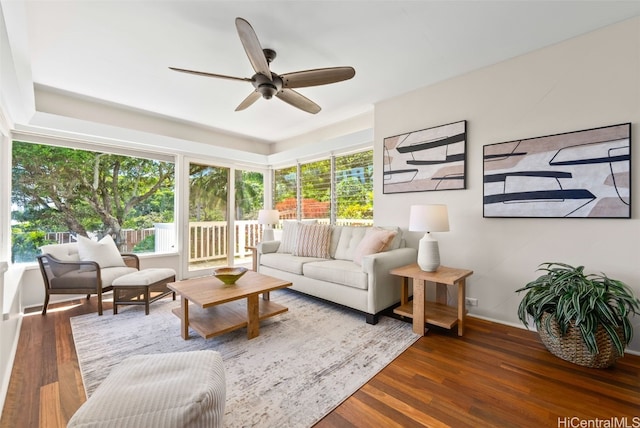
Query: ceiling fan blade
[[252, 47], [318, 76], [252, 98], [298, 100], [202, 73]]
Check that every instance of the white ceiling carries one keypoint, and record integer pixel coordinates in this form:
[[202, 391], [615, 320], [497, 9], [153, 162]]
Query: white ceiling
[[119, 52]]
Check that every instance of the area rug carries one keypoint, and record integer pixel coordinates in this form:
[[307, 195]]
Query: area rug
[[303, 364]]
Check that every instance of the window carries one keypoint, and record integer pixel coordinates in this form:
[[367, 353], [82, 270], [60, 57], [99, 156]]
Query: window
[[354, 188], [285, 192], [350, 198], [60, 192], [315, 182]]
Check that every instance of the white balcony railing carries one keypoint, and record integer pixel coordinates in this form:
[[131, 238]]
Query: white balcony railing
[[208, 240]]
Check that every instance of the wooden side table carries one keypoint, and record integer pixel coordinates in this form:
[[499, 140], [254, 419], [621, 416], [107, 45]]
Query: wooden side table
[[438, 312]]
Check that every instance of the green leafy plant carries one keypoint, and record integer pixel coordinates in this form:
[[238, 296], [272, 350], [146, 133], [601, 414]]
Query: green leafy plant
[[588, 300]]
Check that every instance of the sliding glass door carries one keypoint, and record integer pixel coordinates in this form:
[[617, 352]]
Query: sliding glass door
[[208, 233], [249, 199], [222, 217]]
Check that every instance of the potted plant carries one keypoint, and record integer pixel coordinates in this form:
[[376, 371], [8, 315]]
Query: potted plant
[[582, 318]]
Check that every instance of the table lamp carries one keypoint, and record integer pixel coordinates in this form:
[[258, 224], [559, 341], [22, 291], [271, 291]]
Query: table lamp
[[428, 218], [268, 218]]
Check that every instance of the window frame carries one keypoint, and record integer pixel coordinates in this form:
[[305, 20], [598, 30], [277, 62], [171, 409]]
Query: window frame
[[7, 151], [333, 218]]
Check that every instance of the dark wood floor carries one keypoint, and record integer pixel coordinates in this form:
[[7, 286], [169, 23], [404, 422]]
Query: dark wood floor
[[493, 376]]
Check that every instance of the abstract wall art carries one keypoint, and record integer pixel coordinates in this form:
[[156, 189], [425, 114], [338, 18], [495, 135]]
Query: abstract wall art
[[582, 174], [426, 160]]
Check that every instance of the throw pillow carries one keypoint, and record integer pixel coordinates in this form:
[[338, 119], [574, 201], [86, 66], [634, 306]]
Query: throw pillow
[[374, 241], [63, 252], [313, 240], [289, 237], [104, 252]]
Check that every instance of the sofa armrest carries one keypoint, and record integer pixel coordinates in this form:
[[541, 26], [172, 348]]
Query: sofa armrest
[[131, 260], [384, 288], [266, 247]]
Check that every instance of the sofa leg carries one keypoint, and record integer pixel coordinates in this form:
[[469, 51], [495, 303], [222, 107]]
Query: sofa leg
[[372, 319]]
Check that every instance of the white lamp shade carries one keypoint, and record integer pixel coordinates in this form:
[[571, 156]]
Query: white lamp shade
[[429, 218], [268, 216]]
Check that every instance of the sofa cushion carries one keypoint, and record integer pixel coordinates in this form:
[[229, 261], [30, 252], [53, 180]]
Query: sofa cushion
[[286, 262], [375, 240], [350, 237], [335, 237], [83, 278], [341, 272], [396, 242], [313, 240], [103, 252]]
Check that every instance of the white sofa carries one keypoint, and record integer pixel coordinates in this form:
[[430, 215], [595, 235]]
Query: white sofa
[[352, 273]]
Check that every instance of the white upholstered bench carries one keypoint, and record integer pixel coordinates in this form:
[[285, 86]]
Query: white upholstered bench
[[142, 287], [173, 390]]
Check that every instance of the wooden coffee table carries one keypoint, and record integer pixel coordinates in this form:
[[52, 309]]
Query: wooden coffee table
[[212, 308]]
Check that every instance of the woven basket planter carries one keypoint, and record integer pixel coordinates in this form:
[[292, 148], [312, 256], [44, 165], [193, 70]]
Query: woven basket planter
[[572, 348]]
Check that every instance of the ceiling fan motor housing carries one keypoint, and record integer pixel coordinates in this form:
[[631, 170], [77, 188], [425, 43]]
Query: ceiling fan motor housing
[[267, 88]]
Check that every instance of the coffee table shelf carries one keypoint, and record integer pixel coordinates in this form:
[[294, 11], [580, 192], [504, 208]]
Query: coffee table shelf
[[220, 319]]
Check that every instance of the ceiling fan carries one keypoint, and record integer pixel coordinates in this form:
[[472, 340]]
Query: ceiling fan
[[267, 83]]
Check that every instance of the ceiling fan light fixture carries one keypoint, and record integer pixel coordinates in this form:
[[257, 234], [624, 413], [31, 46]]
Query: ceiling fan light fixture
[[267, 90]]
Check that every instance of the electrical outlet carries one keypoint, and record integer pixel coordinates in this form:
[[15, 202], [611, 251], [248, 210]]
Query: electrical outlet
[[470, 301]]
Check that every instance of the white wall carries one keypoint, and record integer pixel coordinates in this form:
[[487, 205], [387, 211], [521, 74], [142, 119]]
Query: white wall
[[586, 82]]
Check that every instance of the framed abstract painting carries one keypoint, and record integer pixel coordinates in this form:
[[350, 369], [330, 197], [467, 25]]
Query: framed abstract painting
[[426, 160], [581, 174]]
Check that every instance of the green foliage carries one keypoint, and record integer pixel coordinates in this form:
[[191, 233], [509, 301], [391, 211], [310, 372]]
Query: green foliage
[[316, 181], [354, 198], [285, 184], [25, 245], [147, 245], [62, 189], [589, 300], [249, 194], [208, 188]]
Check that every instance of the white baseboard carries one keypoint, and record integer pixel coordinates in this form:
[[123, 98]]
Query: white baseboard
[[8, 368]]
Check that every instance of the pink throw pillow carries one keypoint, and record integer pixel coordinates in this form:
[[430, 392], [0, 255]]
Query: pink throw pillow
[[374, 241]]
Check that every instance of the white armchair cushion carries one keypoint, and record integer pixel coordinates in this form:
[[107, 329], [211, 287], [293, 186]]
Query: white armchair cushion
[[103, 252]]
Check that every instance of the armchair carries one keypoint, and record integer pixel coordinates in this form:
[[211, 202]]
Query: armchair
[[64, 273]]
